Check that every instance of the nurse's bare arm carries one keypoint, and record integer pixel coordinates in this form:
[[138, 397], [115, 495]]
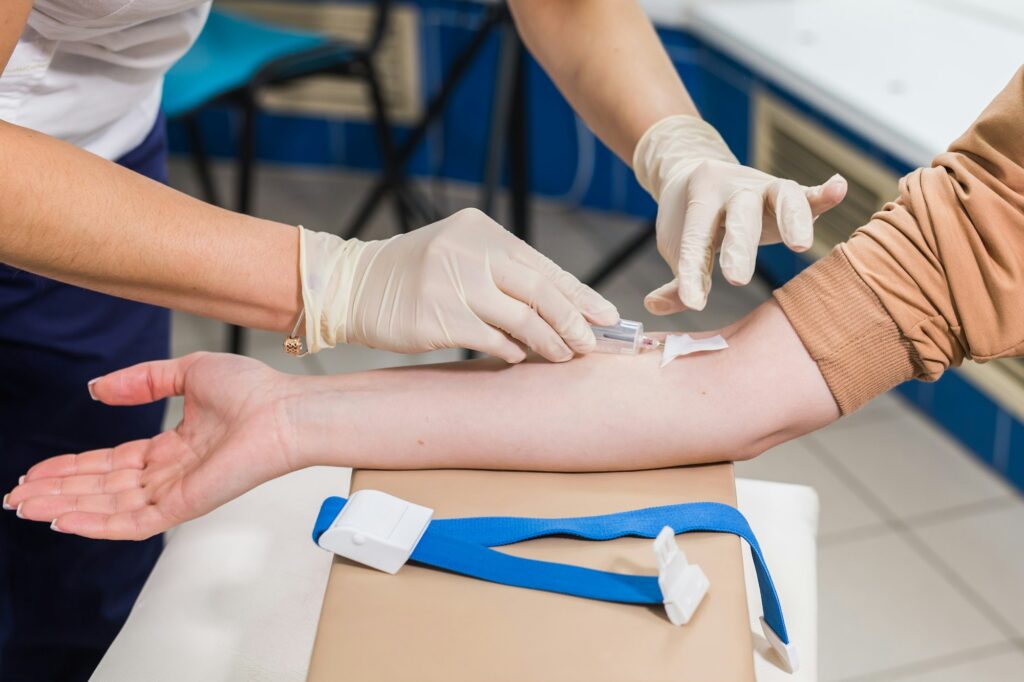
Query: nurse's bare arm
[[13, 16], [78, 218], [607, 60], [73, 216], [245, 424]]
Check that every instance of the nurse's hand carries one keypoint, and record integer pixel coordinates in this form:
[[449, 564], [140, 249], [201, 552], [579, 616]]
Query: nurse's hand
[[462, 282], [707, 201], [235, 434]]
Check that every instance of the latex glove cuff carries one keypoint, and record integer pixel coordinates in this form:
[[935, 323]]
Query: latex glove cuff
[[673, 146], [327, 268]]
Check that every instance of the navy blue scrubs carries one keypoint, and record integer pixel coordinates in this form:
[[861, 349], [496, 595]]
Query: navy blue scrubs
[[64, 598]]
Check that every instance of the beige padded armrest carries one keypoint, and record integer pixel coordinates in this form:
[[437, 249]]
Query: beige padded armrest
[[425, 624]]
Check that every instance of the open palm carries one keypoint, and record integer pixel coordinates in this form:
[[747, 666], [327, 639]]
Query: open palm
[[234, 435]]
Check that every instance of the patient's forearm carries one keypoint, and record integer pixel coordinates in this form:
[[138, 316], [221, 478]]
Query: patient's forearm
[[599, 412]]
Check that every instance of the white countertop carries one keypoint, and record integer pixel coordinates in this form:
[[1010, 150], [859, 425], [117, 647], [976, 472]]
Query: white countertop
[[909, 75]]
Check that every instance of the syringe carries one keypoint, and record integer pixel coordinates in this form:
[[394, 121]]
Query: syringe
[[625, 338]]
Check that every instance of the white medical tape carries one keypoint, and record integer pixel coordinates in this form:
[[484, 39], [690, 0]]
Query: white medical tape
[[677, 345]]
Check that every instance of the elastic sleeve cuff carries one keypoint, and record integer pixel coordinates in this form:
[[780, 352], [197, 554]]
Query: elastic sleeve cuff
[[846, 330]]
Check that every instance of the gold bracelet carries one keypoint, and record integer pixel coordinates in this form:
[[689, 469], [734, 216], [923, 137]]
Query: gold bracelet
[[293, 344]]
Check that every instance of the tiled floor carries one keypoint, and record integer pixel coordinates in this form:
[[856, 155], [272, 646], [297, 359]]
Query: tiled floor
[[921, 554]]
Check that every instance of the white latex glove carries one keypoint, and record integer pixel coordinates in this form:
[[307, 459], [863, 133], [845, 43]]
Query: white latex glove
[[701, 189], [462, 282]]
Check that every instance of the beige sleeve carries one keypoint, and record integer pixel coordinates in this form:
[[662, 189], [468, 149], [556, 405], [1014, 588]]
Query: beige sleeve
[[935, 277]]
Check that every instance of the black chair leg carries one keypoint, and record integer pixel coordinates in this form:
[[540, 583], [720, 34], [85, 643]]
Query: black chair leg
[[518, 155], [498, 134], [409, 203], [236, 339], [417, 204], [246, 153], [246, 160], [393, 176], [435, 108], [200, 160]]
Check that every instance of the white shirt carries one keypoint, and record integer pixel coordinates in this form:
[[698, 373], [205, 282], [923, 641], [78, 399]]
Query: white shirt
[[90, 72]]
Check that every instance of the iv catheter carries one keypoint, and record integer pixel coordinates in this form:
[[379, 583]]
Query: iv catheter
[[625, 338]]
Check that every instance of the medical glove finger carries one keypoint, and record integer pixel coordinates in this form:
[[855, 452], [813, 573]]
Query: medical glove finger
[[136, 524], [596, 308], [486, 339], [128, 455], [539, 293], [696, 252], [792, 214], [827, 196], [664, 300], [143, 383], [743, 217], [524, 323]]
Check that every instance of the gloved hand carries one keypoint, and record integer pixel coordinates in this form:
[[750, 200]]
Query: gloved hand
[[462, 282], [701, 188]]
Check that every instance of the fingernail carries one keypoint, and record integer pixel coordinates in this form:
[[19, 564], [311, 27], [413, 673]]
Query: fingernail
[[18, 511], [695, 297], [89, 386], [53, 526], [697, 304], [7, 507], [21, 480], [655, 305], [837, 183]]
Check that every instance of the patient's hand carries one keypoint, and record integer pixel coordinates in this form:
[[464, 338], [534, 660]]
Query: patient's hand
[[236, 433]]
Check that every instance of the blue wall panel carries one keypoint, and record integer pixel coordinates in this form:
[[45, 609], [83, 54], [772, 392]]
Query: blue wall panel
[[966, 413], [725, 101], [1015, 458]]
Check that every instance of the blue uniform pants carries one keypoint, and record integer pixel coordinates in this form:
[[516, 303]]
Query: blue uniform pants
[[64, 598]]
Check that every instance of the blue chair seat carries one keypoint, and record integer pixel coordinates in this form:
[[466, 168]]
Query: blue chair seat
[[229, 52]]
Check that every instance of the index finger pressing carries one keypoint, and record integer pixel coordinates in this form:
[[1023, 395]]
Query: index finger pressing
[[697, 252], [595, 307], [555, 309]]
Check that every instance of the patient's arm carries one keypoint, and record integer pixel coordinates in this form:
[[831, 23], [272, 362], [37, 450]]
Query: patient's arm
[[599, 412], [245, 424]]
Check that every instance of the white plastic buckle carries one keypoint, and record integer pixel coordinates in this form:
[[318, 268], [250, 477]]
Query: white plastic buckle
[[786, 652], [683, 585], [377, 529]]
